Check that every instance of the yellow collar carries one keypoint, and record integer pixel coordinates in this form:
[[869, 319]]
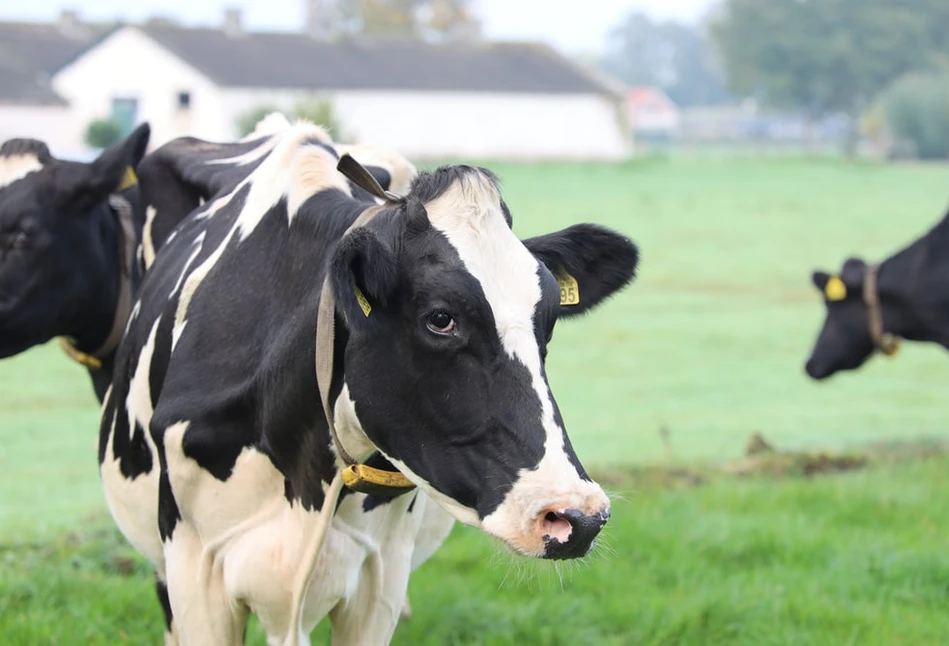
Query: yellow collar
[[365, 479], [80, 357]]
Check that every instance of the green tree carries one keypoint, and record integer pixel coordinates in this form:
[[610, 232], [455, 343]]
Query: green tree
[[102, 133], [407, 17], [677, 57], [917, 111], [827, 55], [246, 121]]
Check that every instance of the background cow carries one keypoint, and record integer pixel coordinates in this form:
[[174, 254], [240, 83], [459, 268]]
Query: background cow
[[213, 449], [67, 251], [871, 307]]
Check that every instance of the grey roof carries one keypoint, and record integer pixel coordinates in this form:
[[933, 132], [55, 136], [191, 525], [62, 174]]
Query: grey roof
[[18, 87], [295, 60], [31, 53]]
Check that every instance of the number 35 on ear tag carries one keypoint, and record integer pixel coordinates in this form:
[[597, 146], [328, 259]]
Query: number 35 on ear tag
[[569, 290]]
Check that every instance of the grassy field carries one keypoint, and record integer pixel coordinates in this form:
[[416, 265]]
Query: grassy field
[[709, 344]]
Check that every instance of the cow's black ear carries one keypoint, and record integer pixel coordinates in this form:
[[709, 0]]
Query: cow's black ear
[[820, 278], [364, 275], [853, 272], [589, 261], [113, 170]]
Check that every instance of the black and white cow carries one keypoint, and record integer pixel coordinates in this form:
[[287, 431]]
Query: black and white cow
[[68, 233], [214, 451], [871, 307]]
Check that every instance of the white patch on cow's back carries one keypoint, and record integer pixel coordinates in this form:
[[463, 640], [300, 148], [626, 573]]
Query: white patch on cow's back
[[469, 214], [197, 244], [136, 310], [288, 169], [138, 402], [190, 286], [16, 167], [148, 244], [295, 169], [249, 157], [313, 170]]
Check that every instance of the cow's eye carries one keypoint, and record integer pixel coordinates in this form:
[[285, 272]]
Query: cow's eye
[[440, 322]]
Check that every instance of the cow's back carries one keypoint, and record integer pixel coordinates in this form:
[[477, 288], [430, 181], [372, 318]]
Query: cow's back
[[211, 329]]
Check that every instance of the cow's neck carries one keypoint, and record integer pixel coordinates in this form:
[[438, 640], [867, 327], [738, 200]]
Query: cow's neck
[[298, 438], [917, 280], [95, 310]]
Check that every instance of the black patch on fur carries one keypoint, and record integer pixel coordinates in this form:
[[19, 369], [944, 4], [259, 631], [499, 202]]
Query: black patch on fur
[[168, 512], [139, 458], [162, 590]]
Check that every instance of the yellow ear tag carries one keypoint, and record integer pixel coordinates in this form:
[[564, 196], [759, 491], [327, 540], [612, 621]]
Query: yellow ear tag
[[835, 289], [363, 303], [128, 180], [569, 290]]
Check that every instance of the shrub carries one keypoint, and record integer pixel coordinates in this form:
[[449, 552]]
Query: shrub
[[246, 121], [102, 133], [316, 109], [321, 112], [917, 111]]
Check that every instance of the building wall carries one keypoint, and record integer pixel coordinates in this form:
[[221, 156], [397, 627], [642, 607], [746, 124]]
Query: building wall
[[421, 125], [50, 123], [128, 64], [426, 125]]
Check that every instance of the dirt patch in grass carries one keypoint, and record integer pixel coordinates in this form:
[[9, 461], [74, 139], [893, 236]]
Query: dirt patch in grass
[[761, 459]]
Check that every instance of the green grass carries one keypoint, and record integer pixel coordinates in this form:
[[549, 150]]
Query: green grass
[[709, 343], [851, 559]]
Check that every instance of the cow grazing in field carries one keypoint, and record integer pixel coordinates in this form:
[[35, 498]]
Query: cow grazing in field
[[871, 307], [68, 234], [214, 450]]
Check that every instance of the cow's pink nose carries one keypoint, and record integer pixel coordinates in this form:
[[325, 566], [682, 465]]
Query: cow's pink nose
[[569, 533]]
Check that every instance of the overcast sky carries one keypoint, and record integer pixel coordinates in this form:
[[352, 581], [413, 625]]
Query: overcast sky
[[575, 25]]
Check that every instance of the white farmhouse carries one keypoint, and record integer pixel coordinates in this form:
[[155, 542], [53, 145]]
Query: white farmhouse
[[467, 98]]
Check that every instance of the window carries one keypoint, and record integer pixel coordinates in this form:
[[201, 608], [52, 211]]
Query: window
[[184, 100]]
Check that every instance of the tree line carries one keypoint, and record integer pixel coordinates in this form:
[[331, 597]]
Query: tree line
[[885, 61]]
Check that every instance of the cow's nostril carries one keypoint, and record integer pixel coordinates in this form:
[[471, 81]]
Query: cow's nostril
[[556, 527], [569, 533]]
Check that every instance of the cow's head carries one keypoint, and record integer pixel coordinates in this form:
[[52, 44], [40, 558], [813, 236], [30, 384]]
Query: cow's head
[[56, 240], [845, 340], [449, 317]]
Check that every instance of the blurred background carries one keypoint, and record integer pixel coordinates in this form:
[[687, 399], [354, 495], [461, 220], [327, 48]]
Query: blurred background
[[741, 143], [863, 77]]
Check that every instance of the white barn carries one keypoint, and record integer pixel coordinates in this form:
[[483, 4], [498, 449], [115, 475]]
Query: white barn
[[457, 99]]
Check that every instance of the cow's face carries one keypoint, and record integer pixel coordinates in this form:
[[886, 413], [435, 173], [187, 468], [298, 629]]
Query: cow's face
[[54, 244], [844, 342], [444, 365]]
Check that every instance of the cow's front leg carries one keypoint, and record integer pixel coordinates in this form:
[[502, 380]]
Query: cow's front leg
[[204, 614], [369, 617]]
